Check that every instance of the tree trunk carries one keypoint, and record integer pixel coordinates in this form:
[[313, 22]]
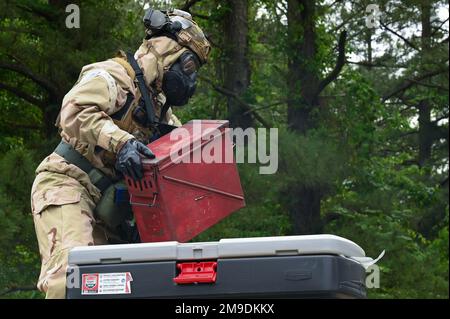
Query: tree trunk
[[303, 83], [303, 79], [237, 70], [425, 125], [369, 48], [426, 132], [306, 210]]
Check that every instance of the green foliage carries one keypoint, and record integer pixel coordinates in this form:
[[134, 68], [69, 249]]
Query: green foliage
[[262, 216], [312, 160], [362, 155], [379, 208], [19, 255]]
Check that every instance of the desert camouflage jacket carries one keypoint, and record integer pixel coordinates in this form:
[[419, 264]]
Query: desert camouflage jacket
[[85, 120]]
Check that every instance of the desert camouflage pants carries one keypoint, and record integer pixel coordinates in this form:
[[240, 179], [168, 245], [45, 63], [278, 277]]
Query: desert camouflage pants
[[63, 223]]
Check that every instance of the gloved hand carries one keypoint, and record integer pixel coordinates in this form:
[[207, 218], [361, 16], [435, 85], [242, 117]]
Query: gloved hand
[[128, 160]]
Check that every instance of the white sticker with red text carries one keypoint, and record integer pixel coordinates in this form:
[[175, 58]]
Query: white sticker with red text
[[106, 283]]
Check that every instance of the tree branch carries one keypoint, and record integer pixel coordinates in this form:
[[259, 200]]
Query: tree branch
[[439, 27], [440, 118], [34, 9], [188, 4], [433, 86], [268, 106], [25, 96], [339, 64], [21, 69], [399, 35], [377, 65], [342, 24], [410, 82], [329, 6], [247, 106]]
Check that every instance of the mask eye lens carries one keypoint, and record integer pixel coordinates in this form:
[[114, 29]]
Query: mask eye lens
[[189, 66], [188, 63]]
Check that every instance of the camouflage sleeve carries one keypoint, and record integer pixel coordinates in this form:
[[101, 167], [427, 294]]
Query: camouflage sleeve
[[85, 113]]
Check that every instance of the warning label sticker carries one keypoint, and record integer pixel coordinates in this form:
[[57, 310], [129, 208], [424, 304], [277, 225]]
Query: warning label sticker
[[106, 283]]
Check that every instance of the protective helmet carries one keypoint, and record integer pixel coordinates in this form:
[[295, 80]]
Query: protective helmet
[[180, 26]]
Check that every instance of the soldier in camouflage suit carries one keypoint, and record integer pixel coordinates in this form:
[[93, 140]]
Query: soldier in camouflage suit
[[63, 198]]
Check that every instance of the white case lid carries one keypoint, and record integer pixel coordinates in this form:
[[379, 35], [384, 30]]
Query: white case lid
[[225, 248]]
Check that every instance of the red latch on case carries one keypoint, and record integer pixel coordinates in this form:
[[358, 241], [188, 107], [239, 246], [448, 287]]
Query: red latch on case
[[196, 272]]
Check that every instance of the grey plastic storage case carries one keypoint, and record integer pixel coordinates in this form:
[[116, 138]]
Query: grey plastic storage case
[[317, 266]]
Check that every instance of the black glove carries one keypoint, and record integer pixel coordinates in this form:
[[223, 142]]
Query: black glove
[[128, 160]]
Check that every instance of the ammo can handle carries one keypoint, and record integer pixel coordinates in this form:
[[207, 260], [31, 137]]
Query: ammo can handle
[[152, 204]]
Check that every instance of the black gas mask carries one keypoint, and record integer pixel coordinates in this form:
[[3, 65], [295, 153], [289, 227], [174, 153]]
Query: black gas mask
[[180, 80], [178, 85]]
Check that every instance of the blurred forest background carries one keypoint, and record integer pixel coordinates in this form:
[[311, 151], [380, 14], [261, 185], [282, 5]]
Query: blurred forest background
[[362, 111]]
